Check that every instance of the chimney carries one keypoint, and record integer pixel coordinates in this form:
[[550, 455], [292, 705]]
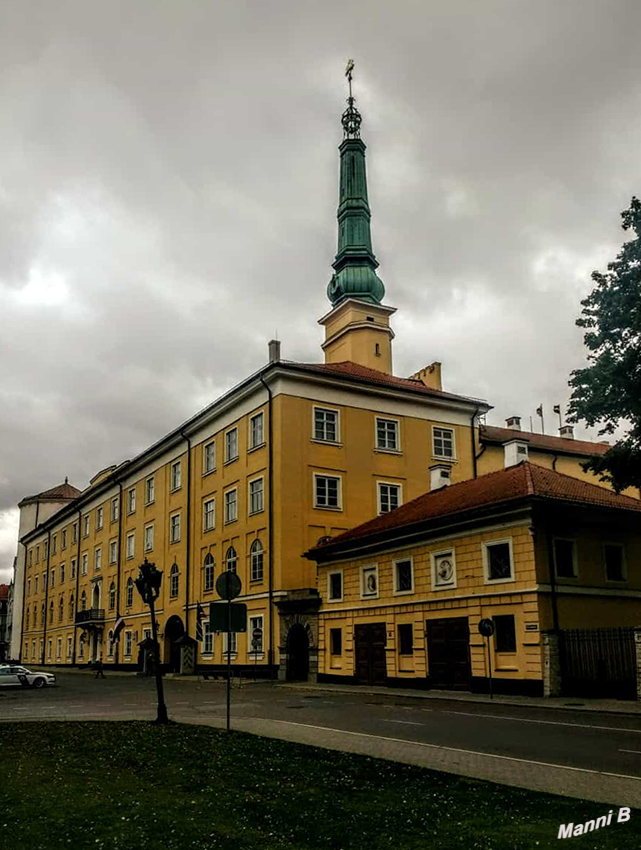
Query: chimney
[[513, 422], [567, 432], [439, 476], [515, 452], [274, 350]]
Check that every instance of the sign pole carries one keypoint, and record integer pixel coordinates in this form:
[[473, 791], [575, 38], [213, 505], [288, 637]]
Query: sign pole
[[486, 628], [489, 666], [229, 663]]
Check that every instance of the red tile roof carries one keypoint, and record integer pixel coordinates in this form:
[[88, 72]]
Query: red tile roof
[[61, 492], [542, 442], [4, 591], [363, 374], [496, 488]]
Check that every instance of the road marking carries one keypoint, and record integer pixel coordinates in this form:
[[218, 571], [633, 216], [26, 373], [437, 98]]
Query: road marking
[[529, 720], [448, 749], [638, 752], [406, 722]]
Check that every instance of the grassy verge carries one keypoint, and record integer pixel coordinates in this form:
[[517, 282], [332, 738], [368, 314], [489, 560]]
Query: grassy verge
[[134, 785]]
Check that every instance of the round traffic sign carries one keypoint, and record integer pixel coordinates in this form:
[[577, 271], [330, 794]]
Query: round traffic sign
[[486, 627], [228, 585], [257, 634]]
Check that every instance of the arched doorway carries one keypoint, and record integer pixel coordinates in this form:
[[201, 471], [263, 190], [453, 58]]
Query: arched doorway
[[297, 654], [174, 629]]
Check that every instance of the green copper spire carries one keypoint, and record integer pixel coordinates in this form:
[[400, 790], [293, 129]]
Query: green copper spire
[[355, 263]]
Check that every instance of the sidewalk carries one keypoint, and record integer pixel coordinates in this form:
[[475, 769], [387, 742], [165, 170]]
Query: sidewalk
[[612, 706]]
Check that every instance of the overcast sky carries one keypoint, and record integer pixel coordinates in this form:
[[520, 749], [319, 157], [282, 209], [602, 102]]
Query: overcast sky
[[168, 191]]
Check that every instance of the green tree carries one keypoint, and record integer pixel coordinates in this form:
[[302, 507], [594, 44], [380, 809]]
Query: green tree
[[608, 391]]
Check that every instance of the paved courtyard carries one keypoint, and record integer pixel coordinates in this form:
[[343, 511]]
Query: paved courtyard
[[591, 755]]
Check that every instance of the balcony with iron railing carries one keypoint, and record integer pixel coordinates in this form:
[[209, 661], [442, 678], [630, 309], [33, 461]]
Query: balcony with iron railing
[[90, 615]]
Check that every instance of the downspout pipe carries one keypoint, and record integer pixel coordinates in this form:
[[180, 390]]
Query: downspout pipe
[[75, 610], [270, 558], [24, 587], [474, 465], [44, 637], [188, 536]]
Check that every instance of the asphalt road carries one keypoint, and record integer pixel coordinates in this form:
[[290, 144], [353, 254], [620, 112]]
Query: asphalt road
[[584, 754]]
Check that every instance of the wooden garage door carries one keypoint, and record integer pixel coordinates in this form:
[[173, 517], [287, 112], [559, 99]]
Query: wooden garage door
[[369, 654], [448, 653]]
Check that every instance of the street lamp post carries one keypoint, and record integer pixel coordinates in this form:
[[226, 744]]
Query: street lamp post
[[148, 584]]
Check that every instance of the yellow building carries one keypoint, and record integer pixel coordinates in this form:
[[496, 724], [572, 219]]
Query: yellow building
[[534, 550]]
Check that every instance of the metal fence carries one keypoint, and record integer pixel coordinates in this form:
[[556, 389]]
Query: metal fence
[[598, 663]]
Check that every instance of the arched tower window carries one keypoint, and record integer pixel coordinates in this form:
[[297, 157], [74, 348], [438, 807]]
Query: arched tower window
[[256, 561]]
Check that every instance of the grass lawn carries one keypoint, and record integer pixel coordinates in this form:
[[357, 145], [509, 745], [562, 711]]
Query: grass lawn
[[125, 786]]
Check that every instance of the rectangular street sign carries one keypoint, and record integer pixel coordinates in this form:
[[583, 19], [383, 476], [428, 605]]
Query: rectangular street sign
[[218, 616]]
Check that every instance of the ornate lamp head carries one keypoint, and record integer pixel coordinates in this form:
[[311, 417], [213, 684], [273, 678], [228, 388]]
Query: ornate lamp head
[[351, 118]]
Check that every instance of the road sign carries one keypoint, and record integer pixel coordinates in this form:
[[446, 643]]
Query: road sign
[[486, 627], [218, 617], [228, 585], [257, 634]]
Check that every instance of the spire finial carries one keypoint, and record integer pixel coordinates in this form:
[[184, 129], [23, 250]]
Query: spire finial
[[66, 480], [351, 118]]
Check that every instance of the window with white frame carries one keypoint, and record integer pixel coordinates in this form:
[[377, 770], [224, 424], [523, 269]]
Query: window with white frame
[[49, 648], [335, 586], [443, 568], [327, 491], [230, 643], [325, 425], [149, 538], [565, 558], [85, 526], [387, 437], [208, 639], [113, 551], [83, 600], [614, 562], [97, 560], [256, 557], [131, 501], [81, 646], [130, 592], [72, 607], [498, 560], [45, 550], [110, 644], [33, 650], [173, 580], [74, 533], [51, 611], [256, 643], [256, 496], [115, 509], [231, 559], [59, 647], [209, 514], [403, 576], [256, 430], [443, 442], [100, 518], [131, 542], [112, 596], [231, 505], [231, 445], [176, 475], [84, 562], [61, 609], [128, 643], [174, 528], [209, 571], [369, 581], [37, 554], [150, 490], [389, 497], [209, 458]]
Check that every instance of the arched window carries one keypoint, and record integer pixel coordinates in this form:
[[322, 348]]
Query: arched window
[[173, 580], [28, 618], [51, 611], [209, 572], [256, 559], [112, 596], [61, 609], [72, 607], [130, 592], [83, 601], [231, 559]]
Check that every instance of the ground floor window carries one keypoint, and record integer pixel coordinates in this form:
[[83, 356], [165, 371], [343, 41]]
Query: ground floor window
[[505, 635], [405, 639], [59, 648], [208, 642], [26, 650], [81, 648], [49, 649], [256, 626], [232, 645], [128, 644], [69, 647]]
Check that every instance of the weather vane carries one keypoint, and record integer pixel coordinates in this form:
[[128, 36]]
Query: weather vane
[[351, 118]]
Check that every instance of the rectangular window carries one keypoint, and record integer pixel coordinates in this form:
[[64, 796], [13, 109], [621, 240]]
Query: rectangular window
[[498, 561], [28, 587], [231, 445], [62, 573], [45, 550], [85, 526], [209, 458], [54, 544], [256, 430], [404, 578], [335, 586], [233, 644], [149, 538], [69, 647], [405, 639], [53, 578], [231, 505], [81, 648], [84, 562], [505, 633], [113, 551], [37, 554], [149, 490], [174, 528], [208, 643], [256, 496], [209, 514], [59, 648], [389, 497], [130, 544], [564, 558], [73, 568], [64, 539], [115, 509], [98, 560], [256, 639], [326, 491], [336, 641], [443, 442], [128, 644], [49, 648], [74, 533], [325, 425], [131, 501], [176, 475], [30, 557], [387, 434], [614, 566], [100, 518]]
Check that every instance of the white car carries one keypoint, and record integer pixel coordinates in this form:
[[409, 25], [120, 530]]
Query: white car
[[13, 674]]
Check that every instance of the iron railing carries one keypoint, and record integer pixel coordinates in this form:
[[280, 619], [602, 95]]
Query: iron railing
[[90, 615], [598, 662]]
